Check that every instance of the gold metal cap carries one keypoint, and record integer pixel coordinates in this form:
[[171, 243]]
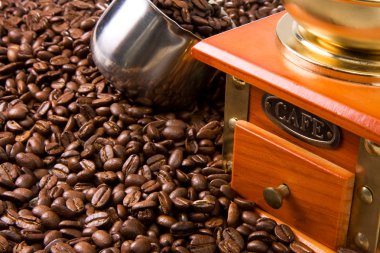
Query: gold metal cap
[[335, 38]]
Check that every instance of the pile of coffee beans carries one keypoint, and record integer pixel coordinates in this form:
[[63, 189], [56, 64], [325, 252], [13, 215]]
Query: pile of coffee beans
[[83, 169], [245, 11], [201, 17]]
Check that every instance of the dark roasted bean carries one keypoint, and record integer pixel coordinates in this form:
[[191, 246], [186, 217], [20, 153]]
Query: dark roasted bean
[[257, 246], [284, 233], [228, 246], [299, 247]]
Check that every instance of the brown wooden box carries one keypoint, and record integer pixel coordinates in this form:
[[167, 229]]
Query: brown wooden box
[[326, 183]]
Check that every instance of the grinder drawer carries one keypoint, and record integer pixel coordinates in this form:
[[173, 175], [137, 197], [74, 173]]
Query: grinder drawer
[[320, 191]]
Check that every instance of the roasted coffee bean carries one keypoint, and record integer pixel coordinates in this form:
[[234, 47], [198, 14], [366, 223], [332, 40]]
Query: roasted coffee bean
[[102, 239], [233, 215], [244, 204], [202, 243], [284, 233], [132, 198], [257, 246], [144, 205], [262, 236], [266, 224], [228, 246], [279, 247], [141, 245], [101, 196], [132, 228], [166, 220], [182, 228], [165, 202], [97, 219], [84, 247], [3, 244], [59, 247], [299, 247], [50, 220], [250, 217], [232, 234], [206, 206]]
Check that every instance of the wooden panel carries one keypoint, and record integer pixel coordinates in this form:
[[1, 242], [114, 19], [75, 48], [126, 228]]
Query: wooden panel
[[321, 192], [310, 242], [345, 155], [252, 53]]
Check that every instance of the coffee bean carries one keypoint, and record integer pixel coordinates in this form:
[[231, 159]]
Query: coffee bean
[[166, 220], [299, 247], [244, 204], [3, 244], [199, 182], [182, 228], [102, 239], [228, 246], [131, 228], [250, 217], [262, 236], [266, 224], [165, 202], [141, 245], [98, 219], [84, 247], [50, 220], [202, 243], [6, 138], [284, 233], [101, 196], [257, 246], [144, 205], [59, 246], [29, 160], [278, 247], [132, 198], [233, 215], [231, 234], [206, 206]]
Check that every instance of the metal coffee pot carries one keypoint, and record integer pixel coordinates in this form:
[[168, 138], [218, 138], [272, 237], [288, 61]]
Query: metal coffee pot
[[146, 55]]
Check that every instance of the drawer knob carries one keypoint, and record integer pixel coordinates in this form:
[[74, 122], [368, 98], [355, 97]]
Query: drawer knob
[[275, 196]]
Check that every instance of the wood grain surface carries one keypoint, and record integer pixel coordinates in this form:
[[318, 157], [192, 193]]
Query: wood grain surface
[[320, 191], [253, 53], [345, 155]]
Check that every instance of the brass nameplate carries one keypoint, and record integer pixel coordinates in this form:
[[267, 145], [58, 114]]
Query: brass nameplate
[[300, 123]]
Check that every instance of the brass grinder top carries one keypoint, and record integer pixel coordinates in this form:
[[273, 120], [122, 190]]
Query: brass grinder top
[[336, 38]]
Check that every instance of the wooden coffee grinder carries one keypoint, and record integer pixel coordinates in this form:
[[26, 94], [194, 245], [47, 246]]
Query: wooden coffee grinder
[[302, 117]]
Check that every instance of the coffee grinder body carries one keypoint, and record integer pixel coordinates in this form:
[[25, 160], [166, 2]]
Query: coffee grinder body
[[299, 138]]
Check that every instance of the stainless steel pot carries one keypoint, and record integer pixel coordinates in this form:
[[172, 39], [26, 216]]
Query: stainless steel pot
[[147, 56]]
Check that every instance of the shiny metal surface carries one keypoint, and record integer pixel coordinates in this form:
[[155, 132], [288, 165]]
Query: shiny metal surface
[[309, 52], [352, 24], [236, 108], [147, 56], [301, 124], [364, 228]]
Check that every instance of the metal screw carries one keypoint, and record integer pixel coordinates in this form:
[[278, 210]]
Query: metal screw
[[365, 195], [362, 241], [372, 148], [232, 123], [239, 84]]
